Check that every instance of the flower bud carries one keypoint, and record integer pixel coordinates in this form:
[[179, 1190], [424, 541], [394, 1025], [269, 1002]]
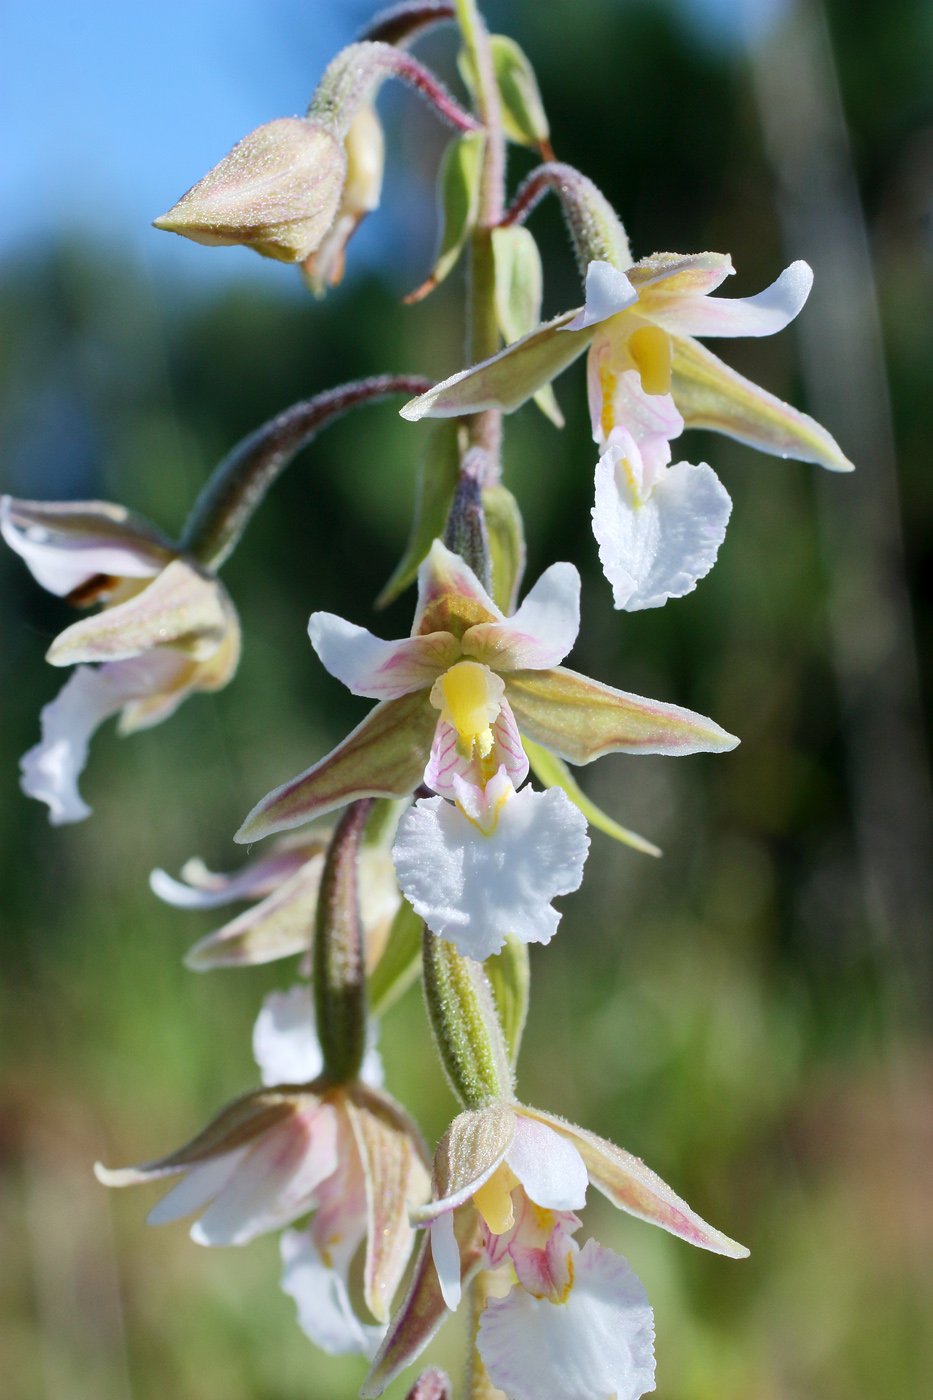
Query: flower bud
[[365, 151], [277, 191]]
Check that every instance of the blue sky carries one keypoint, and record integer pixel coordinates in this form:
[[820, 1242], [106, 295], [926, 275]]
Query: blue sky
[[111, 109]]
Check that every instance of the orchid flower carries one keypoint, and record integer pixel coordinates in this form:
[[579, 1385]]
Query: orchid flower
[[285, 886], [455, 697], [347, 1152], [658, 527], [489, 864], [167, 629], [576, 1326]]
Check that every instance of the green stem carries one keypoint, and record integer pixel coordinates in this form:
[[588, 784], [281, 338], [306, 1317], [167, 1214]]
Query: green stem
[[485, 429]]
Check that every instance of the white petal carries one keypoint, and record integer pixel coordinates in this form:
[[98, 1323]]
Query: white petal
[[769, 311], [598, 1345], [324, 1310], [202, 1183], [608, 291], [285, 1043], [540, 634], [473, 889], [51, 769], [552, 1176], [61, 563], [446, 1255], [381, 670], [274, 1183], [201, 888], [658, 548]]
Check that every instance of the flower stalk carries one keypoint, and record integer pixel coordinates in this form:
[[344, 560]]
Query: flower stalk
[[339, 966]]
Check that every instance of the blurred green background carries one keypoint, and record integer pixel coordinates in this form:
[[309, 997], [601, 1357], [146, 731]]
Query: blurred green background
[[739, 1013]]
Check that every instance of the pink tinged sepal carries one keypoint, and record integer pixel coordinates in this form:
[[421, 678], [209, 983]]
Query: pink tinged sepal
[[580, 719], [258, 1165], [380, 670], [711, 395], [383, 757], [474, 887], [182, 608], [424, 1309], [397, 1179], [540, 633], [634, 1188], [279, 926], [508, 379], [51, 769], [597, 1344], [446, 765], [200, 888], [608, 291], [65, 544], [655, 543], [285, 1043], [768, 312], [325, 1313]]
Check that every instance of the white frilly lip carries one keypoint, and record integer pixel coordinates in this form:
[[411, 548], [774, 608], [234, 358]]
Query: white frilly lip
[[473, 889], [656, 539], [286, 1047], [597, 1344], [325, 1313]]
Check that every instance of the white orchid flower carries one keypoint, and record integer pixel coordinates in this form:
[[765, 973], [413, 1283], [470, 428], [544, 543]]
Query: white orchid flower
[[167, 629], [577, 1325]]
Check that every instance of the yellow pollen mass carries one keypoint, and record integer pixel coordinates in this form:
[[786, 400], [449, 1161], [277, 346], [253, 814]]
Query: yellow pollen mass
[[493, 1200], [651, 351], [469, 698]]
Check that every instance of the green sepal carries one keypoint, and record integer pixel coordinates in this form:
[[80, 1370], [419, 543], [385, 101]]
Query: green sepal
[[524, 120], [458, 198], [466, 1026], [506, 535], [519, 289], [400, 962], [438, 472], [553, 772], [510, 978]]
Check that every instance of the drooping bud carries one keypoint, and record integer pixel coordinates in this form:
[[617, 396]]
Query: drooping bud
[[278, 192], [365, 149], [466, 1025], [466, 524]]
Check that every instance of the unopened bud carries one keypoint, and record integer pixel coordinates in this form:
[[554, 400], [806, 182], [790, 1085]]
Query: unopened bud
[[277, 191], [365, 152]]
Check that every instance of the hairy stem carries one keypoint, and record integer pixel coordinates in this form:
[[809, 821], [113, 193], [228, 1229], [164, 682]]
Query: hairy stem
[[238, 484], [339, 972]]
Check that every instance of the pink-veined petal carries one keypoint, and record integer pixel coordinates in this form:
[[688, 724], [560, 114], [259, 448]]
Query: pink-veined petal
[[472, 888], [597, 1345], [548, 1165], [608, 291], [325, 1313], [764, 314], [380, 670], [657, 548], [541, 632], [446, 764]]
